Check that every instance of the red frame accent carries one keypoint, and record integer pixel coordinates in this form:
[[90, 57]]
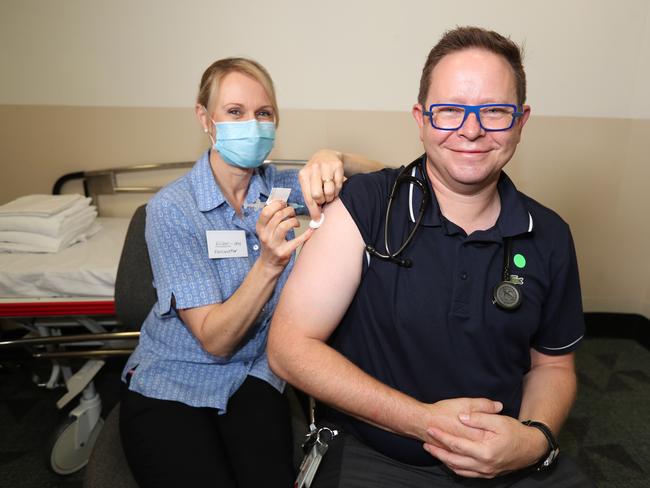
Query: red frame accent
[[57, 308]]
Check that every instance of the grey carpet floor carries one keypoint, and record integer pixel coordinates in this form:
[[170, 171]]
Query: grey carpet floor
[[608, 431]]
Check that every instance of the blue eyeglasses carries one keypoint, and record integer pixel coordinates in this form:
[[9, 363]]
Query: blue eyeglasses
[[491, 116]]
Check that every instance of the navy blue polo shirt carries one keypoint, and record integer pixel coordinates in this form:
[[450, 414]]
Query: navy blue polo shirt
[[431, 330]]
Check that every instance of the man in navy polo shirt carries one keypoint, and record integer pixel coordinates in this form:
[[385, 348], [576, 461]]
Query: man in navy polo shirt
[[442, 334]]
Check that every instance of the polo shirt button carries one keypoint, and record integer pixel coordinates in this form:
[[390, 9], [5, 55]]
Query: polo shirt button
[[255, 247], [463, 276]]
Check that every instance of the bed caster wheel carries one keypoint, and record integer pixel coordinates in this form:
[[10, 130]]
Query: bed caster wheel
[[68, 456]]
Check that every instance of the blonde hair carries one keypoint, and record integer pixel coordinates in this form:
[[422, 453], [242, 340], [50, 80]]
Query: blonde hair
[[216, 71]]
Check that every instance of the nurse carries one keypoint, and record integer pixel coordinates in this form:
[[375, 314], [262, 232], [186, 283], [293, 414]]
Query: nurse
[[200, 406]]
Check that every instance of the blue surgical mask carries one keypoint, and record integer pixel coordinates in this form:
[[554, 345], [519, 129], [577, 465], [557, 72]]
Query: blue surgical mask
[[244, 144]]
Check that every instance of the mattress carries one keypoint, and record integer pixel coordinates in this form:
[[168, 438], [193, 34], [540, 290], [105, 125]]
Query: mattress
[[86, 269]]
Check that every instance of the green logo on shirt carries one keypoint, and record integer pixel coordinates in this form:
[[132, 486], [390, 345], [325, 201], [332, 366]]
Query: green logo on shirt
[[519, 261]]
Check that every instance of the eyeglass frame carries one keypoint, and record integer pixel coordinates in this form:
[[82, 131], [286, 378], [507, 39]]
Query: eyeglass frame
[[473, 109]]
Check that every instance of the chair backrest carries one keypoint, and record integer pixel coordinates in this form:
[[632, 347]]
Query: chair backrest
[[134, 291], [134, 296]]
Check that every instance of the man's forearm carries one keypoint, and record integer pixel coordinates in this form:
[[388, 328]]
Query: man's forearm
[[328, 376], [549, 392]]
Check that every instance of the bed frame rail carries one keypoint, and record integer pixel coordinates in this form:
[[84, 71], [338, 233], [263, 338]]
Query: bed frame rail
[[104, 182]]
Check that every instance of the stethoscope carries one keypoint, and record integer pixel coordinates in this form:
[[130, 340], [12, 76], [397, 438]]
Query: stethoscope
[[506, 294]]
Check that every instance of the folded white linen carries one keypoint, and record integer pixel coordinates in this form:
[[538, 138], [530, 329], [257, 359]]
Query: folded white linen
[[76, 227], [39, 205], [53, 226], [31, 242], [86, 269]]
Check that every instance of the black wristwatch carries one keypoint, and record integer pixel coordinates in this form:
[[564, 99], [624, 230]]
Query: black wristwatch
[[553, 447]]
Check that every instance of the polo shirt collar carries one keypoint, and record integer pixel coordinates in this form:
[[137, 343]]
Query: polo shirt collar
[[207, 192], [514, 218]]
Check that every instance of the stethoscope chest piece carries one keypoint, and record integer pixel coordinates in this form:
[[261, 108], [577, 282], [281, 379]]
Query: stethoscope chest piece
[[507, 295]]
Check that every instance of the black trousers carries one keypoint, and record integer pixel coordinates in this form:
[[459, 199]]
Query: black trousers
[[170, 444], [350, 464]]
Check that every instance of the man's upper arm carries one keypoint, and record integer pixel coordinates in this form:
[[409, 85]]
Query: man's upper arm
[[324, 279], [538, 359]]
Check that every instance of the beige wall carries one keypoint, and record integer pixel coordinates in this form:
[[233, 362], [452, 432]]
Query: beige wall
[[89, 84], [593, 171], [584, 57]]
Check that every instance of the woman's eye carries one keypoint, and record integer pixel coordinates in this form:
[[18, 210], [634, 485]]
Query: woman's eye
[[234, 111], [266, 114]]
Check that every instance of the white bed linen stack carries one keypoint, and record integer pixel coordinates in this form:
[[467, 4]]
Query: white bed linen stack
[[46, 223]]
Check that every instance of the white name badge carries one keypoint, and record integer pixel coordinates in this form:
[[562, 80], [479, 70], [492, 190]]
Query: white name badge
[[226, 244]]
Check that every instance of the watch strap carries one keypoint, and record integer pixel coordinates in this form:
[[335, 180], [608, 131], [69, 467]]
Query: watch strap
[[553, 447]]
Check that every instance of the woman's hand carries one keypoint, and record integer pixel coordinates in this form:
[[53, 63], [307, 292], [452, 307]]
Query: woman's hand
[[321, 180], [275, 221], [221, 328]]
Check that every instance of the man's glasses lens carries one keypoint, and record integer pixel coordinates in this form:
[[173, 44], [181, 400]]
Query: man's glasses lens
[[492, 117]]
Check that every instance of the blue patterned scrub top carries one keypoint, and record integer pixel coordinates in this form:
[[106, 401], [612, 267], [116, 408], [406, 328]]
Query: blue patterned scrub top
[[169, 362]]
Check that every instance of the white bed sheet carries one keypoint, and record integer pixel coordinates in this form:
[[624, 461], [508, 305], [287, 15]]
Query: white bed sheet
[[86, 269]]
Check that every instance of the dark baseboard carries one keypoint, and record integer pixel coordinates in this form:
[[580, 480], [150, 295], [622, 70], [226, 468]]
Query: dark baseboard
[[619, 325]]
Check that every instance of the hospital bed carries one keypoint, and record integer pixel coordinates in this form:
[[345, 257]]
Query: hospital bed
[[66, 301]]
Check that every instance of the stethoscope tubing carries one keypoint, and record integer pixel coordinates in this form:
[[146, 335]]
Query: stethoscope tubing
[[403, 177], [506, 294]]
